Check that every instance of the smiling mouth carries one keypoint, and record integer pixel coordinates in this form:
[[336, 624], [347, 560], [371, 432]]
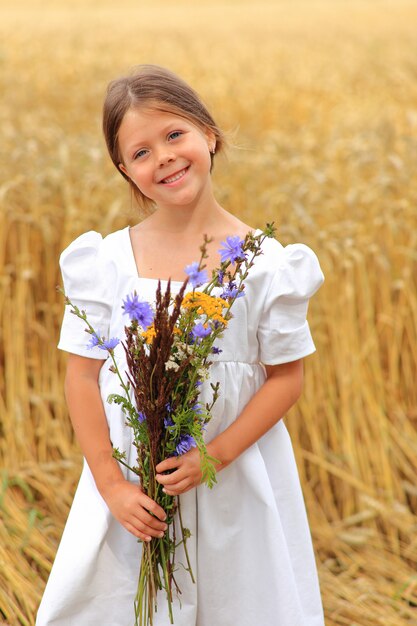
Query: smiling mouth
[[175, 177]]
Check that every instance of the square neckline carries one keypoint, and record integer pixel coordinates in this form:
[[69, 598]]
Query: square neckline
[[135, 266]]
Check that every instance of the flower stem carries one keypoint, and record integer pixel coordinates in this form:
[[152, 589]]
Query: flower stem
[[185, 541], [166, 578]]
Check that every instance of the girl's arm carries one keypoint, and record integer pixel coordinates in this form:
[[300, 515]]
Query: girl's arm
[[129, 505], [270, 403]]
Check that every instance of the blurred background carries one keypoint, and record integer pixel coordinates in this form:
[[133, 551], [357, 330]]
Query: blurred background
[[319, 100]]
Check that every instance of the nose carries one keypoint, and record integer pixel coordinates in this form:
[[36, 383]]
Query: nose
[[165, 156]]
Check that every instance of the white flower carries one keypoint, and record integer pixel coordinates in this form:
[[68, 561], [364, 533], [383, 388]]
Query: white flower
[[171, 365], [203, 373]]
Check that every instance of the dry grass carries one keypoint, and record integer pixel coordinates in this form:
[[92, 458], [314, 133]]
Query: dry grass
[[322, 98]]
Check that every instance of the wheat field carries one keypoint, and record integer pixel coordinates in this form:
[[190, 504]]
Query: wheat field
[[319, 100]]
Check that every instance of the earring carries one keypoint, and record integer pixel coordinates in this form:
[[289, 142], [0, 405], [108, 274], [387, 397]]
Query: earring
[[213, 150]]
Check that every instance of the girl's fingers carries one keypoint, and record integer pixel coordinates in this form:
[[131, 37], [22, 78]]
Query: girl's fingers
[[137, 533], [150, 522], [167, 464], [150, 505], [143, 528], [181, 487], [169, 479]]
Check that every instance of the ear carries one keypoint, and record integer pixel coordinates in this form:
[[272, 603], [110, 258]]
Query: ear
[[123, 169], [211, 139]]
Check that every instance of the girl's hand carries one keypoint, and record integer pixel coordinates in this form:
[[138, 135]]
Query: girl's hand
[[187, 472], [132, 508]]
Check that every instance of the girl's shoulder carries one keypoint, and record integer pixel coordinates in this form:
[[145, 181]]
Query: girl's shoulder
[[92, 244], [92, 258], [294, 270]]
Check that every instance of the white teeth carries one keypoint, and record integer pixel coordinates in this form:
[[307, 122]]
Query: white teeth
[[172, 179]]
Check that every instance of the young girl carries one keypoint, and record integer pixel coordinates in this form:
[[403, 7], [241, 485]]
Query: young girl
[[250, 544]]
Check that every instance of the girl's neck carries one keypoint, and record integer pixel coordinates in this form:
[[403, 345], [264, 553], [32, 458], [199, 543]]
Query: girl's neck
[[202, 217]]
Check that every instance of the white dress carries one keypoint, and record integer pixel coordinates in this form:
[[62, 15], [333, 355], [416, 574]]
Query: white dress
[[250, 547]]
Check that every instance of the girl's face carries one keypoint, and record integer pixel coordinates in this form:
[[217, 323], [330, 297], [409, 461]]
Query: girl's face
[[166, 156]]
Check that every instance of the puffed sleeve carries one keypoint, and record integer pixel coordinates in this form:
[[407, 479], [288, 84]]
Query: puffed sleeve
[[89, 286], [283, 331]]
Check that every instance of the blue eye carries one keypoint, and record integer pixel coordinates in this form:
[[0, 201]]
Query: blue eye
[[140, 153], [175, 134]]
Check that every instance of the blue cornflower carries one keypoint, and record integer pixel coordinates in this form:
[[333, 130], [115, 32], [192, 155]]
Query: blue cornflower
[[199, 331], [138, 310], [230, 292], [102, 344], [196, 277], [110, 344], [94, 341], [168, 421], [220, 278], [232, 249], [185, 443], [141, 417]]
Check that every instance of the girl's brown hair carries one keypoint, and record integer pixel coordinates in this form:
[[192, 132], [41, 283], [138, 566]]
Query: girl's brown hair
[[160, 89]]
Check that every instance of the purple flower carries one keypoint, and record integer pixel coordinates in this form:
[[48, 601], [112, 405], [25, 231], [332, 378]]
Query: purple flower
[[220, 277], [102, 344], [110, 344], [138, 310], [196, 277], [230, 292], [94, 341], [185, 443], [199, 331], [215, 350], [141, 417], [168, 421], [232, 250]]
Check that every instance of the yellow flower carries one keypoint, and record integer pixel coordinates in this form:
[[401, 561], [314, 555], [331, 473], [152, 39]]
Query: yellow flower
[[205, 304], [149, 334]]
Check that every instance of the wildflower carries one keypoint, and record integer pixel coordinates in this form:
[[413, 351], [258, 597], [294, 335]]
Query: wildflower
[[185, 444], [149, 334], [94, 341], [203, 373], [141, 417], [109, 344], [102, 344], [168, 421], [138, 310], [220, 277], [232, 250], [230, 292], [199, 331], [196, 277], [205, 304], [215, 350]]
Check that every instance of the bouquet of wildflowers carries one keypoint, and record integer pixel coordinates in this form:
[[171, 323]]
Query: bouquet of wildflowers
[[168, 347]]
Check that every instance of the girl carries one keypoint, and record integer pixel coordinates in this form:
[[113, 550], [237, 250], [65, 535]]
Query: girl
[[250, 543]]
